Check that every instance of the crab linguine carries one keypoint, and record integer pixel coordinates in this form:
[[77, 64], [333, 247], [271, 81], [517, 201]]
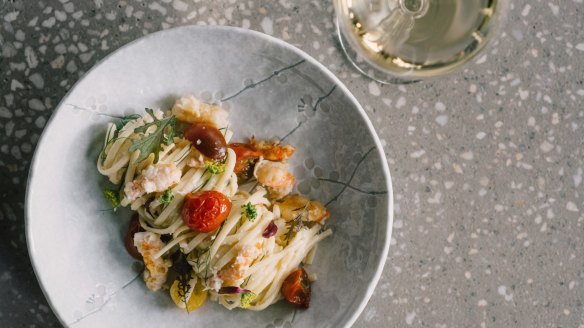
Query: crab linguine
[[213, 219]]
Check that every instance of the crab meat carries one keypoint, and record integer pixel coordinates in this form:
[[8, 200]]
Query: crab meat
[[154, 178], [191, 110], [236, 270], [275, 176], [214, 282], [272, 151], [293, 205], [148, 244], [197, 161]]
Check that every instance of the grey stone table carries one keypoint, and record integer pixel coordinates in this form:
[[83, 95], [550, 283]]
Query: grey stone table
[[487, 163]]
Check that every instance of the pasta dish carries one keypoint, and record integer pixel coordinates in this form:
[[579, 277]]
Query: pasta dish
[[213, 218]]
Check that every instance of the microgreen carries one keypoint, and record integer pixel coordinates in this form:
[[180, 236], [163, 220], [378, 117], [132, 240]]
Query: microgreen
[[247, 298], [113, 197], [215, 167], [249, 211], [167, 197]]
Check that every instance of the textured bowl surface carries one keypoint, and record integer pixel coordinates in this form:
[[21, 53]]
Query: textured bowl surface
[[272, 90]]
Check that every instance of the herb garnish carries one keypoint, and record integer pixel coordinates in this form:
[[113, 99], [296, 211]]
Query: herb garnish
[[247, 298], [123, 121], [152, 142], [202, 260], [113, 197], [215, 167], [184, 287], [249, 211], [112, 137], [184, 276], [298, 223], [167, 197]]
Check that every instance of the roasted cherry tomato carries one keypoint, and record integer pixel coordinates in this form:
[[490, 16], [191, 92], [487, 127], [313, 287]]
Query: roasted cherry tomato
[[245, 156], [204, 211], [133, 227], [296, 288], [208, 140]]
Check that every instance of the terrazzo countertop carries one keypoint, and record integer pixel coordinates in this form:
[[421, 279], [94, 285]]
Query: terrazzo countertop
[[487, 163]]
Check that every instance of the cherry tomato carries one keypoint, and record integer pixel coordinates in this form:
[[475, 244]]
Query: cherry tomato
[[208, 140], [296, 288], [133, 227], [245, 156], [204, 211]]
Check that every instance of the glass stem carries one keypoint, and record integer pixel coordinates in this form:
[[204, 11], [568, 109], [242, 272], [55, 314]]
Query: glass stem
[[415, 8]]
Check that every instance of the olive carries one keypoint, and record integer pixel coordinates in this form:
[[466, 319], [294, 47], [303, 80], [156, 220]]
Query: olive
[[133, 228], [208, 140]]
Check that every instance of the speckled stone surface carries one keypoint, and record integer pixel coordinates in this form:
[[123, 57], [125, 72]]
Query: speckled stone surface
[[487, 163]]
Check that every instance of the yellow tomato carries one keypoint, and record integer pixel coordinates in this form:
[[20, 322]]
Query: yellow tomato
[[196, 300]]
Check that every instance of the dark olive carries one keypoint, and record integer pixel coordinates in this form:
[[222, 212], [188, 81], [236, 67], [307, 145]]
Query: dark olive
[[208, 140]]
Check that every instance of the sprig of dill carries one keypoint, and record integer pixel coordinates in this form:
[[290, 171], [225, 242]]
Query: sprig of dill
[[202, 259], [298, 223]]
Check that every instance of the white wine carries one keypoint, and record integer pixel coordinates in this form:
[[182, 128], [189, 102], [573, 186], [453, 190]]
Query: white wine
[[413, 39]]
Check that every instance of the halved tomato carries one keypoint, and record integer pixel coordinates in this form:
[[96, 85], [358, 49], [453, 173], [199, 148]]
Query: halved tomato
[[296, 288]]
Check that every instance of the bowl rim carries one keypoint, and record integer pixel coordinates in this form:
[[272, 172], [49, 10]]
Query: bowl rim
[[270, 39]]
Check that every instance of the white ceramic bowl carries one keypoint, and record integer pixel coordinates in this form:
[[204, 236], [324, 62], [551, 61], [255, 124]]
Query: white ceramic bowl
[[272, 90]]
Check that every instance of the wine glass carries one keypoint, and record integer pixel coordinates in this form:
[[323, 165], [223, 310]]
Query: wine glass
[[403, 41]]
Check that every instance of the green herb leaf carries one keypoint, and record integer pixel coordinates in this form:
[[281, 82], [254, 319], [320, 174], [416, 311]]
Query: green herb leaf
[[113, 197], [215, 167], [151, 144], [110, 136], [247, 298], [249, 211], [125, 120], [167, 197]]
